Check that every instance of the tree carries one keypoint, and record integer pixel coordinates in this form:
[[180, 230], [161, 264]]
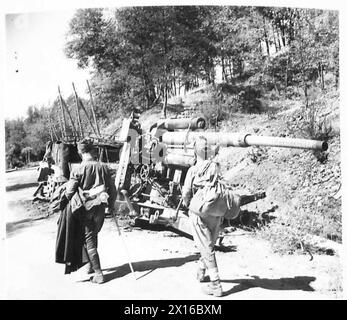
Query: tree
[[26, 152], [14, 133], [149, 49], [239, 34], [314, 47], [309, 47], [14, 141], [142, 55], [91, 40]]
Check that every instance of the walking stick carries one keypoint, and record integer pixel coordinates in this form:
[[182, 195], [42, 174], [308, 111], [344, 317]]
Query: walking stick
[[124, 244]]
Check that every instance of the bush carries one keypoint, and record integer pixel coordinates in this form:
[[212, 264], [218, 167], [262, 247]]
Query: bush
[[16, 163], [274, 95], [227, 98], [257, 154], [314, 126], [248, 100], [311, 121], [292, 92], [284, 240], [213, 112]]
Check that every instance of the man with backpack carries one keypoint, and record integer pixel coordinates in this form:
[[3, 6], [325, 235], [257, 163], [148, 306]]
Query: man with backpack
[[206, 211], [92, 188]]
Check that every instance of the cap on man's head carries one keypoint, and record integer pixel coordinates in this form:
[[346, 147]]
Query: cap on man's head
[[85, 146], [203, 150]]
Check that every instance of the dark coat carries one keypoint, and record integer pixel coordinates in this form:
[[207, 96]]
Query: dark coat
[[70, 248], [71, 233]]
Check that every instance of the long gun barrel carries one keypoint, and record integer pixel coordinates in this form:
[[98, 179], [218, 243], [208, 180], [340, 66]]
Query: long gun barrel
[[182, 123], [225, 139]]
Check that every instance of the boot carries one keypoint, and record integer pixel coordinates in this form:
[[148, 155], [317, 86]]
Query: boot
[[214, 288], [94, 260], [201, 275], [98, 277], [89, 269], [95, 263]]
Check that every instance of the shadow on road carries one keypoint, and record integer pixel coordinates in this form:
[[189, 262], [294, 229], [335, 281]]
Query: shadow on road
[[223, 248], [149, 265], [13, 227], [21, 186], [296, 283]]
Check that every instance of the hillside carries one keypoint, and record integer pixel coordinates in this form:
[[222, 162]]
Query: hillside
[[302, 199], [302, 186]]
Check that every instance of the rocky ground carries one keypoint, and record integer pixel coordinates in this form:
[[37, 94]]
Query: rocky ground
[[303, 187]]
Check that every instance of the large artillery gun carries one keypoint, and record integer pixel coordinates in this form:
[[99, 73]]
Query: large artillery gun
[[153, 165]]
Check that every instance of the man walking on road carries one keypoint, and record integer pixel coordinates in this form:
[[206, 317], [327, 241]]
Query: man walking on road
[[92, 181], [205, 230]]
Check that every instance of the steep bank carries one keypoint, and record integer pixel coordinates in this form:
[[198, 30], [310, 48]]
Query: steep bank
[[302, 186]]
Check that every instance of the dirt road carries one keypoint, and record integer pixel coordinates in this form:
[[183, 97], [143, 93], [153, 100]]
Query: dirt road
[[164, 263]]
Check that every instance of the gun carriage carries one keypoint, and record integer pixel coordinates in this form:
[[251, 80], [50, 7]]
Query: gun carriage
[[153, 165]]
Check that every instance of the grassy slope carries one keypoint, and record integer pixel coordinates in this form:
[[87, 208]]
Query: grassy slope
[[299, 188]]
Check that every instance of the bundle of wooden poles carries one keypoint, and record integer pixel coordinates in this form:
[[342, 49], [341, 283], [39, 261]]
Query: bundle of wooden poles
[[68, 130]]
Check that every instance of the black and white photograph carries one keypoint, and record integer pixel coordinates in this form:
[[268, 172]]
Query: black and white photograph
[[171, 151]]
